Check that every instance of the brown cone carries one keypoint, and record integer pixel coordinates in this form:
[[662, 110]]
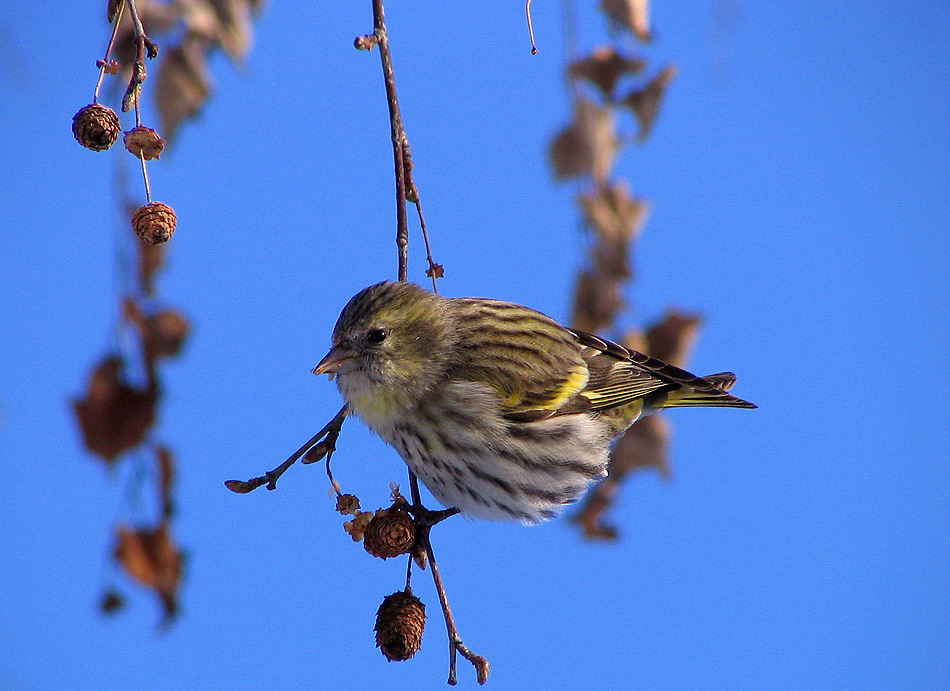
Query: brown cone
[[154, 222], [390, 533], [400, 622], [96, 127]]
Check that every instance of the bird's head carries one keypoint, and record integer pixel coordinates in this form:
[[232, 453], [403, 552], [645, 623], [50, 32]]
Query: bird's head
[[391, 344]]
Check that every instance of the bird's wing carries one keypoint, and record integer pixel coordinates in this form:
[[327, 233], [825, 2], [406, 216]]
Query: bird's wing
[[534, 363], [615, 379], [619, 375]]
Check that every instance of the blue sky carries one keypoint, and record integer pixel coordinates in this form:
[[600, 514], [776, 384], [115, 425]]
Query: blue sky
[[798, 178]]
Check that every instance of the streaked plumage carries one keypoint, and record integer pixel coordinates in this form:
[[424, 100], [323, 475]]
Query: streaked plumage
[[498, 409]]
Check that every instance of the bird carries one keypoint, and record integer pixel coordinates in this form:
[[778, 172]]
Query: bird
[[502, 412]]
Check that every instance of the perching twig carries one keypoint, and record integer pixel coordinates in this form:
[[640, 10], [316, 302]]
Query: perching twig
[[324, 440], [425, 519], [406, 190]]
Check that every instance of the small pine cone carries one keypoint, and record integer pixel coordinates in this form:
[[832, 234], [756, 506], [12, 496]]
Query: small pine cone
[[96, 127], [143, 142], [154, 222], [400, 622], [391, 532]]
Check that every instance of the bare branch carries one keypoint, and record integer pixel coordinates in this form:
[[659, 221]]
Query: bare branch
[[331, 431]]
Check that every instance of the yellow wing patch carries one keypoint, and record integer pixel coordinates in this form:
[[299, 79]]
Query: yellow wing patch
[[573, 384]]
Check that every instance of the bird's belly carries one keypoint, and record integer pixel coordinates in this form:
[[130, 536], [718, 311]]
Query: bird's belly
[[489, 467]]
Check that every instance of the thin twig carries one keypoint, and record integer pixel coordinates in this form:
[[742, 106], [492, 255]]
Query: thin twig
[[104, 63], [144, 46], [398, 135], [406, 191], [527, 11], [425, 519], [148, 187], [331, 431]]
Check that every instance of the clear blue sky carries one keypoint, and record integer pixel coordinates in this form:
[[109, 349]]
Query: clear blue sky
[[798, 176]]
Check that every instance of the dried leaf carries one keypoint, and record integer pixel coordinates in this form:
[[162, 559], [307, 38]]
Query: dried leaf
[[597, 300], [183, 85], [166, 479], [632, 15], [162, 334], [157, 18], [114, 417], [645, 103], [151, 259], [604, 67], [235, 31], [167, 332], [588, 146], [616, 217], [672, 339], [644, 445], [152, 559]]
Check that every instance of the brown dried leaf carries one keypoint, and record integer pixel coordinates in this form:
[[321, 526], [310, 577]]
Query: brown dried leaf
[[114, 417], [588, 146], [157, 17], [162, 334], [183, 85], [235, 31], [167, 332], [604, 67], [151, 259], [672, 339], [633, 15], [166, 475], [151, 558], [597, 300], [645, 103], [644, 445], [617, 218]]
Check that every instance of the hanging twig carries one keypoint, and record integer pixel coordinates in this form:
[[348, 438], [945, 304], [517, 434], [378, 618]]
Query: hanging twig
[[406, 190], [527, 11]]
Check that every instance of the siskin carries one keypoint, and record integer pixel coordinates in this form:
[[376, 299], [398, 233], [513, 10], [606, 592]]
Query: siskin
[[502, 412]]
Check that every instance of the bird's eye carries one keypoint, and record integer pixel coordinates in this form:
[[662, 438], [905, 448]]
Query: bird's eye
[[376, 336]]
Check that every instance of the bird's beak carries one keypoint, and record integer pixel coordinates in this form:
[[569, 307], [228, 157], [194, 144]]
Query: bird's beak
[[337, 361]]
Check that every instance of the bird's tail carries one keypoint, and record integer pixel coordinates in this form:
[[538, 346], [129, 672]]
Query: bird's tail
[[709, 391]]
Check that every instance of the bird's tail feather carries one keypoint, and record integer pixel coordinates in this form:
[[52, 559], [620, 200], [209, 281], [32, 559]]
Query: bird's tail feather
[[714, 396]]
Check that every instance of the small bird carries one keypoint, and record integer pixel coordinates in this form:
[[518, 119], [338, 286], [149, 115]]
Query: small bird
[[502, 412]]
